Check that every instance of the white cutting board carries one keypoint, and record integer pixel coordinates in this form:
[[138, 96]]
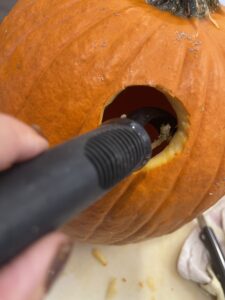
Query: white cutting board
[[145, 271]]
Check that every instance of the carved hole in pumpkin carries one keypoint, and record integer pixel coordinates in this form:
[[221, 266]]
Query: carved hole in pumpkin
[[136, 97]]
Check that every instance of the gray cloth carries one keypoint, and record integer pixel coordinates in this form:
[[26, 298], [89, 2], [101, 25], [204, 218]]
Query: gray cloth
[[5, 6]]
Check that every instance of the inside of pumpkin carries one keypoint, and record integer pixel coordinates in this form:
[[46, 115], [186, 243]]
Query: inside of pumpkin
[[137, 97]]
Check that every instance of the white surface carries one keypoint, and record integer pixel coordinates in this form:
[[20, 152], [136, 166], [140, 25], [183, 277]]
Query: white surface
[[194, 258], [194, 261], [86, 279]]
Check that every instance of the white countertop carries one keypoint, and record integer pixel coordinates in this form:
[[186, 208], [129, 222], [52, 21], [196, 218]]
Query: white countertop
[[144, 271]]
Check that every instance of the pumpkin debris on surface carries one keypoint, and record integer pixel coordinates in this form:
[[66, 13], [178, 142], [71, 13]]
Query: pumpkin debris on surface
[[100, 257], [151, 284], [63, 62], [111, 290]]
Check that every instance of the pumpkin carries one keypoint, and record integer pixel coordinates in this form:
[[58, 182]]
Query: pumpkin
[[66, 65]]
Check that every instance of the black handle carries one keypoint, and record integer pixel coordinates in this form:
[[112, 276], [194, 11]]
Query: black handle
[[39, 196], [209, 239]]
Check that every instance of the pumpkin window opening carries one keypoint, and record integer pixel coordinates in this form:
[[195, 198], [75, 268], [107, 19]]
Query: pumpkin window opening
[[136, 97]]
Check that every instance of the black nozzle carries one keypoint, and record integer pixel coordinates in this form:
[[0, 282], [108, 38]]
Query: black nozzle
[[39, 196], [122, 147], [155, 116]]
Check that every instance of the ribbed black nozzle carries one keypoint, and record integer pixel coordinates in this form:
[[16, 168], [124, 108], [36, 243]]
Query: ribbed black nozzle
[[155, 116], [118, 151]]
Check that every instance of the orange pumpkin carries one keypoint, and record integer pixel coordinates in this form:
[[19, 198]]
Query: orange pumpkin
[[62, 62]]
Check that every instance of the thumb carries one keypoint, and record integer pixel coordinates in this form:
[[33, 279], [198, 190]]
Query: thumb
[[31, 275], [18, 142]]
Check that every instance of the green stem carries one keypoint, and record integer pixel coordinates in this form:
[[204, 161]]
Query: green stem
[[187, 8]]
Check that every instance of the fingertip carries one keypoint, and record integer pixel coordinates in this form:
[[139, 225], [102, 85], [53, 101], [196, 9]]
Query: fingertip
[[19, 141], [31, 141], [32, 144]]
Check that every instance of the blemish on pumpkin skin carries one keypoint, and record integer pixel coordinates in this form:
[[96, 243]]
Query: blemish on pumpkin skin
[[103, 45], [192, 38], [116, 14], [193, 49], [197, 43], [221, 181], [202, 108], [100, 77], [103, 9], [181, 35]]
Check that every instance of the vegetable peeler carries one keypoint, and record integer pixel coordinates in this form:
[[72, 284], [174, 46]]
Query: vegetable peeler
[[39, 196], [209, 239]]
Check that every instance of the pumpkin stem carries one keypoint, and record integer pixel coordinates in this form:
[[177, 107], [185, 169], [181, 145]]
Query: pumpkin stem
[[187, 8]]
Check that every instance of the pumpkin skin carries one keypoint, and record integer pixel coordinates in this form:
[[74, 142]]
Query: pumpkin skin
[[61, 61]]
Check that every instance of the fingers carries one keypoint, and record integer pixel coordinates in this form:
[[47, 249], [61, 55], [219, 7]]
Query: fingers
[[31, 275], [18, 142]]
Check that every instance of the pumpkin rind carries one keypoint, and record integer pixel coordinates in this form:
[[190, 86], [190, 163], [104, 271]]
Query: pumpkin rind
[[62, 62]]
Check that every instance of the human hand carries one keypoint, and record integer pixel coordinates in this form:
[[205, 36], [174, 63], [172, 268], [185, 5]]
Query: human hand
[[31, 274]]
